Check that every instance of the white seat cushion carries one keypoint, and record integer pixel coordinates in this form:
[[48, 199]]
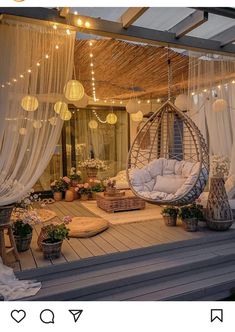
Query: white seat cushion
[[168, 183]]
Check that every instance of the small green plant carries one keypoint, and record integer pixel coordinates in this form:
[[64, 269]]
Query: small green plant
[[60, 185], [191, 211], [56, 233], [21, 229], [170, 211]]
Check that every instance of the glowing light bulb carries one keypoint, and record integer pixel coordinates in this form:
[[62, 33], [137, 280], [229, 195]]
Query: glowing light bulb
[[79, 22], [29, 71], [121, 102], [3, 86], [233, 82], [38, 64], [75, 13], [148, 101], [87, 24], [92, 72], [205, 90], [68, 32], [219, 86], [21, 76], [193, 93], [57, 47], [54, 26], [47, 56], [93, 83], [14, 80], [91, 64], [91, 55], [90, 43], [139, 101], [93, 78]]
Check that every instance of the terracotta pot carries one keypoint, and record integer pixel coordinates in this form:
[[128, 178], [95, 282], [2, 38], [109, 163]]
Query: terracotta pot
[[190, 225], [92, 172], [75, 194], [23, 243], [51, 250], [5, 214], [170, 221], [84, 197], [69, 196], [58, 196]]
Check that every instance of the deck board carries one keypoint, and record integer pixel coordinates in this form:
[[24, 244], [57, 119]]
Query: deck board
[[118, 238]]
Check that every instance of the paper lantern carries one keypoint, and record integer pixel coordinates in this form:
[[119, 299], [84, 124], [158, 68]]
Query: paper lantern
[[65, 115], [137, 117], [111, 118], [182, 102], [220, 105], [22, 131], [93, 124], [37, 124], [60, 107], [53, 121], [29, 103], [74, 90], [132, 106], [83, 102]]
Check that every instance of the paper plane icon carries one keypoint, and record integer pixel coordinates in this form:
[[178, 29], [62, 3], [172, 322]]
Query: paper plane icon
[[76, 314]]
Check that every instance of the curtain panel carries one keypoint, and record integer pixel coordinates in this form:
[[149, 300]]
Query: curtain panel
[[35, 61]]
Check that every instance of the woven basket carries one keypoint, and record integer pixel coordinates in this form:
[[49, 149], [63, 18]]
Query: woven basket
[[51, 250], [23, 243], [92, 172], [5, 214], [190, 225], [170, 221]]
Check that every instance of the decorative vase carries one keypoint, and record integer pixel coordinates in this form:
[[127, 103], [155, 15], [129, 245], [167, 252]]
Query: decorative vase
[[219, 215], [92, 172], [51, 250], [23, 243], [190, 225], [5, 214], [169, 220], [75, 193], [84, 197], [58, 196], [69, 195]]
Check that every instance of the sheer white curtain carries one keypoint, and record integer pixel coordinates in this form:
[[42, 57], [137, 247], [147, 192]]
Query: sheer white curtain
[[211, 79], [35, 61]]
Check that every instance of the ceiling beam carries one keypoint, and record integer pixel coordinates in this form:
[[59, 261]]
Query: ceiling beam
[[225, 37], [64, 11], [131, 15], [115, 30], [221, 11], [189, 23]]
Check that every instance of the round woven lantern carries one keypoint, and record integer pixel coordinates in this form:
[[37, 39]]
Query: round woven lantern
[[37, 124], [22, 131], [137, 117], [65, 115], [111, 118], [53, 120], [29, 103], [132, 106], [60, 107], [181, 102], [220, 105], [83, 102], [74, 90], [93, 124]]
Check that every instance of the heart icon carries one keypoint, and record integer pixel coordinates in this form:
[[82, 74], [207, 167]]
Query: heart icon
[[18, 315]]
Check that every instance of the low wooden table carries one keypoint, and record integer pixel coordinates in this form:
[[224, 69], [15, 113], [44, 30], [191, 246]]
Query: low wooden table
[[127, 202]]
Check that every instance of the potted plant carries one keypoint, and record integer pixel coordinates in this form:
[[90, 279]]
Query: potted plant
[[53, 237], [75, 177], [83, 189], [170, 215], [23, 233], [110, 187], [60, 186], [190, 215], [92, 166], [96, 187]]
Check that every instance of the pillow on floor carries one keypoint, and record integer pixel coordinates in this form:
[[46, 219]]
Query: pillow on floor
[[87, 226], [169, 183]]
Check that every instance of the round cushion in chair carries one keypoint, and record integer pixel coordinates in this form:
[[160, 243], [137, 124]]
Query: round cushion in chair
[[87, 226]]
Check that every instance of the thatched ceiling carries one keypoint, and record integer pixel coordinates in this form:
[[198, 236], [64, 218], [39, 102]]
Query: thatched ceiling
[[120, 66]]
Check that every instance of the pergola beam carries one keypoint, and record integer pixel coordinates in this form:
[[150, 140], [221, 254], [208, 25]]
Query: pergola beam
[[225, 37], [221, 11], [131, 15], [189, 23], [115, 30], [64, 11]]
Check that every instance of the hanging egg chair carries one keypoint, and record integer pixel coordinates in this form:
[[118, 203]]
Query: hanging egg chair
[[168, 163]]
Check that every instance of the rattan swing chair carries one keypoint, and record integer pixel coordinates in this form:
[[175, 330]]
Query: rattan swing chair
[[168, 163]]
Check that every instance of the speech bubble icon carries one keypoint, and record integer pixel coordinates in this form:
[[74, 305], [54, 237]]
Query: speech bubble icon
[[47, 316]]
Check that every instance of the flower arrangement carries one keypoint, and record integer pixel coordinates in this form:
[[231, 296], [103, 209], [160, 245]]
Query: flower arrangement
[[93, 163], [169, 211], [220, 165], [57, 232], [96, 185], [83, 188], [21, 228], [191, 211], [75, 175], [60, 185], [110, 183], [27, 201]]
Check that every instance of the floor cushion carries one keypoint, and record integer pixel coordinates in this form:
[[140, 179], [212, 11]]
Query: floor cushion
[[87, 226]]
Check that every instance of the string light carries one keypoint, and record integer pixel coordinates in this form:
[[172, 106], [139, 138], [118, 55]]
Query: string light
[[75, 13], [79, 22], [38, 64], [68, 32], [98, 118], [87, 24], [29, 71], [56, 47], [47, 56], [21, 76]]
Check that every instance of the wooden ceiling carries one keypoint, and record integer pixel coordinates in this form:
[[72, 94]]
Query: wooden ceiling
[[125, 69]]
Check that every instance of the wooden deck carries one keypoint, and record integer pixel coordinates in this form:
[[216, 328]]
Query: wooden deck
[[141, 261], [118, 238]]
